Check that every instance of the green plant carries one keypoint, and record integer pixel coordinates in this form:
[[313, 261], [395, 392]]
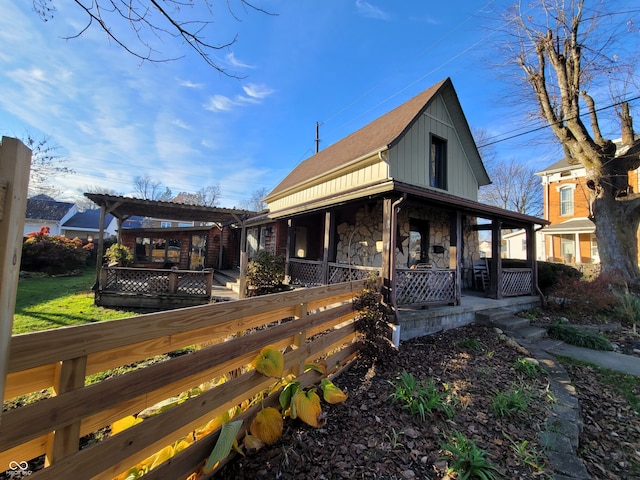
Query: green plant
[[120, 254], [265, 273], [419, 397], [510, 402], [628, 310], [526, 454], [529, 367], [466, 459], [579, 337], [394, 438], [53, 254], [372, 323], [472, 344]]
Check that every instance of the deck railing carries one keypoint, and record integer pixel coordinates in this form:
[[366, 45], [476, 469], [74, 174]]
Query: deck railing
[[517, 281], [155, 281], [307, 324], [424, 286]]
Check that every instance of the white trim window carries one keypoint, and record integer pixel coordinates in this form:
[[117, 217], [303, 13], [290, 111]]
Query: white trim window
[[566, 201]]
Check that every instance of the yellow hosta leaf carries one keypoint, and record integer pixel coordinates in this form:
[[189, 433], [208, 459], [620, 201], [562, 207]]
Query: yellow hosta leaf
[[162, 456], [307, 405], [331, 393], [209, 427], [267, 425], [320, 367], [182, 444], [124, 423], [251, 442], [270, 362]]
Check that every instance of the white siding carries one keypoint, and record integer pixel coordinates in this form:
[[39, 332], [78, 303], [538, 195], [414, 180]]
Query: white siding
[[372, 171], [409, 159]]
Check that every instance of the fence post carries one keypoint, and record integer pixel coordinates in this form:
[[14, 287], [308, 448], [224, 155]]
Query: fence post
[[15, 164], [69, 375], [300, 338]]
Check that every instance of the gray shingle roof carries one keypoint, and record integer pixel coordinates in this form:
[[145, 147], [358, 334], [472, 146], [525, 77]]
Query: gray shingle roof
[[42, 207]]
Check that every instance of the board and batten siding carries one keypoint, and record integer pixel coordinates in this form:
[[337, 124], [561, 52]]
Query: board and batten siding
[[368, 172], [409, 158]]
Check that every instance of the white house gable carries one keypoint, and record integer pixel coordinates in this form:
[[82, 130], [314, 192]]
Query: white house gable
[[411, 159]]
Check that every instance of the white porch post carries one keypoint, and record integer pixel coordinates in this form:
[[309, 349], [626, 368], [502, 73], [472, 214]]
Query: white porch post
[[578, 256]]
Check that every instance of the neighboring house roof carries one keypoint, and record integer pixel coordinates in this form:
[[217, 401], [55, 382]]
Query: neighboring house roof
[[575, 225], [87, 220], [134, 221], [378, 136], [559, 166], [42, 207]]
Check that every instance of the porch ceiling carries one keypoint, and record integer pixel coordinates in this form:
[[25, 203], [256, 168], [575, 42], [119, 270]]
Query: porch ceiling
[[126, 207]]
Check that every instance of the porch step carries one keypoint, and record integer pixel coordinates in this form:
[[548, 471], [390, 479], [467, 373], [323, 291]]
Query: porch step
[[518, 327], [492, 315]]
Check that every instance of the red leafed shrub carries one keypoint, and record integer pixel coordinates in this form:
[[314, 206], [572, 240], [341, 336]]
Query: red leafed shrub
[[53, 254], [587, 298]]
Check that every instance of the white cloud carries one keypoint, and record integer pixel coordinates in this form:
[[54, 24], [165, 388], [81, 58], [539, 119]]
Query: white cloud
[[234, 62], [257, 92], [179, 123], [219, 103], [190, 84], [368, 10], [254, 94]]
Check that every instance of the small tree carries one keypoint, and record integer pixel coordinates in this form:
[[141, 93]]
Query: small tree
[[53, 254], [265, 273], [119, 254]]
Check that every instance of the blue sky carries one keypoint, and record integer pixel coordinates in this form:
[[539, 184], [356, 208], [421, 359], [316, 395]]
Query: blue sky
[[338, 62]]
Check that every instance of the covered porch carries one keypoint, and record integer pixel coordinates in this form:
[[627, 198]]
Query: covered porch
[[173, 267], [423, 243]]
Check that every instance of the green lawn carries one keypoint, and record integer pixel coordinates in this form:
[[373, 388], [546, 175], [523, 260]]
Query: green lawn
[[51, 302]]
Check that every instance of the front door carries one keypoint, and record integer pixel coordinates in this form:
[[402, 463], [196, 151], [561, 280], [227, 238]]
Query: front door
[[418, 242]]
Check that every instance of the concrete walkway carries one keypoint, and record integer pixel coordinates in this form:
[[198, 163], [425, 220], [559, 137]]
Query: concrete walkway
[[562, 431], [611, 360]]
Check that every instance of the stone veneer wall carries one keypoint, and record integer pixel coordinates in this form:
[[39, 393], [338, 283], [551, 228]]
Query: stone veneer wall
[[361, 243]]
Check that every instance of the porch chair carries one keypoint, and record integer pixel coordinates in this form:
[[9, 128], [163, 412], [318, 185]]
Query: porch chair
[[481, 274]]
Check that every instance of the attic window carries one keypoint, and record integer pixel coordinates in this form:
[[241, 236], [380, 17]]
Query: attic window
[[438, 163]]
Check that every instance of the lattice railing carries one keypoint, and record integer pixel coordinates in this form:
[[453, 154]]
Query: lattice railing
[[155, 282], [339, 272], [425, 286], [517, 281], [305, 272]]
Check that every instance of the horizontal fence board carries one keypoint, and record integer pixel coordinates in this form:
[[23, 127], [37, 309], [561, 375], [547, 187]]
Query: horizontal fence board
[[50, 346], [232, 334], [31, 380]]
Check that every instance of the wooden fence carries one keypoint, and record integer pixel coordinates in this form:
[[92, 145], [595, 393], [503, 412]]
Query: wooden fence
[[307, 324]]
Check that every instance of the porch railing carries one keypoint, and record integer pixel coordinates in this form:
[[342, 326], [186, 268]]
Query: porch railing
[[418, 287], [340, 272], [152, 281], [517, 281], [312, 324], [305, 272]]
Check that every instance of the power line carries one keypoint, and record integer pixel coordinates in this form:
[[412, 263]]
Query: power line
[[559, 122]]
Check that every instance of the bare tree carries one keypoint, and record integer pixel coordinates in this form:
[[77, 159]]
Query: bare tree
[[256, 203], [46, 164], [155, 23], [514, 186], [206, 196], [566, 55], [83, 203], [148, 189]]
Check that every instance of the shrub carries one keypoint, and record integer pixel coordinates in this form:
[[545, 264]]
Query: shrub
[[265, 273], [627, 310], [579, 337], [53, 254], [119, 254], [587, 298], [372, 323]]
